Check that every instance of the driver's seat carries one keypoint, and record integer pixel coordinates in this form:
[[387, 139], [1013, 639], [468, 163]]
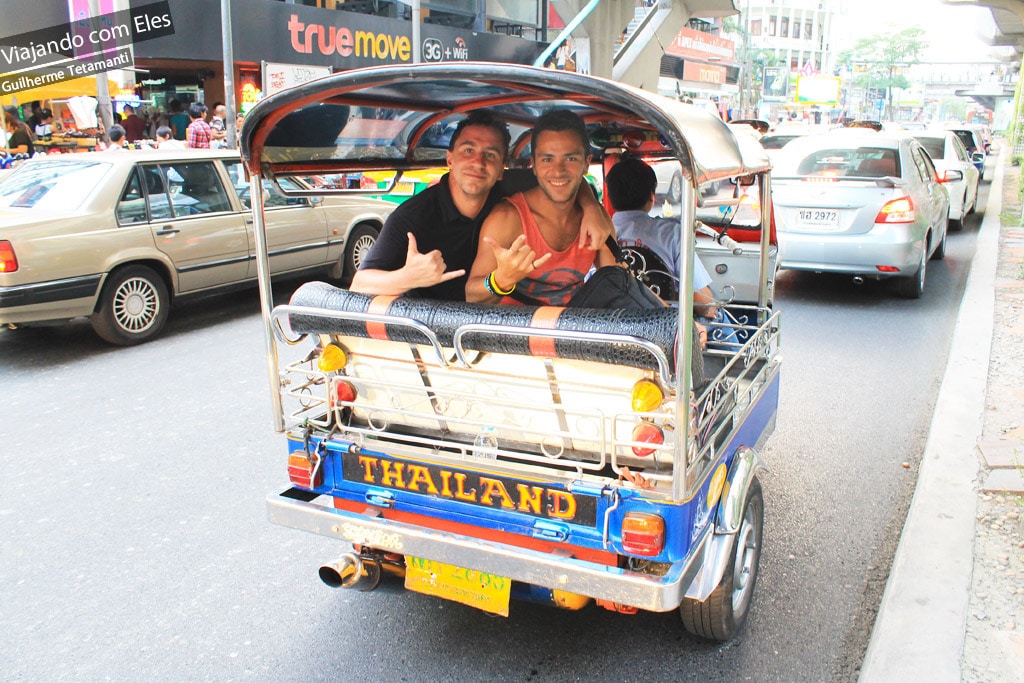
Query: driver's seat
[[651, 270]]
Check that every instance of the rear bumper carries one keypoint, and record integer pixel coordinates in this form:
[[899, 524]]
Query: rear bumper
[[653, 593], [855, 254], [53, 300]]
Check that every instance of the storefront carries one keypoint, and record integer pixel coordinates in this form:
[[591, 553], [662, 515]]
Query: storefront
[[700, 67], [188, 65]]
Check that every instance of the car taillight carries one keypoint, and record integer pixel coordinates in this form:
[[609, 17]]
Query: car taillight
[[8, 261], [647, 432], [643, 534], [897, 211], [304, 472]]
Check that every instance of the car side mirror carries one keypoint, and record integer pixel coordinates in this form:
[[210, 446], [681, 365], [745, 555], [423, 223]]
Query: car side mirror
[[977, 156], [315, 201], [951, 175]]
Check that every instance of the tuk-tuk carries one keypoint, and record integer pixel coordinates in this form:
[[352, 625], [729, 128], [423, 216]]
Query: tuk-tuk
[[485, 453]]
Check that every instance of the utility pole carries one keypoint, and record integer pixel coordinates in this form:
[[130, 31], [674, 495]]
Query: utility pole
[[229, 73]]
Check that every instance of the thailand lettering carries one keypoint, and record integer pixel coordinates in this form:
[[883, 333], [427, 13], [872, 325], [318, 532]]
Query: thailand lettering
[[343, 41], [499, 493]]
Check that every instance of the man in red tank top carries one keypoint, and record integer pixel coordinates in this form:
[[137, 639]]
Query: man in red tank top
[[530, 242]]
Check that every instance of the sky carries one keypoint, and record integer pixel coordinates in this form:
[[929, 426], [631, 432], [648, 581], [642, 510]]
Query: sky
[[951, 31]]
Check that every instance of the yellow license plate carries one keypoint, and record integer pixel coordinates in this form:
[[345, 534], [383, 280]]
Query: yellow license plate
[[481, 590], [403, 188]]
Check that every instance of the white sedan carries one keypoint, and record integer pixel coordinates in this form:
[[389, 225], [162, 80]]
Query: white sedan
[[949, 154]]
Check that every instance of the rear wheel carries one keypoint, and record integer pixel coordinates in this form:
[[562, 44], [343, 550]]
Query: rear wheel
[[133, 306], [675, 188], [913, 287], [360, 241], [721, 616]]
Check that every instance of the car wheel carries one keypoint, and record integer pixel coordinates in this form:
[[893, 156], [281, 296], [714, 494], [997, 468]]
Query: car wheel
[[721, 616], [360, 241], [912, 287], [675, 188], [133, 306]]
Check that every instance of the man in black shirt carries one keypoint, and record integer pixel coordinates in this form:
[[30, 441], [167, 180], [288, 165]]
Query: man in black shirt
[[429, 242]]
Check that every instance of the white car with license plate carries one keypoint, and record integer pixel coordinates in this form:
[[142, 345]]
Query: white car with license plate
[[866, 203]]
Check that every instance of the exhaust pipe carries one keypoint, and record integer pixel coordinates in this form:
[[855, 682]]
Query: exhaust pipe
[[351, 571], [858, 280]]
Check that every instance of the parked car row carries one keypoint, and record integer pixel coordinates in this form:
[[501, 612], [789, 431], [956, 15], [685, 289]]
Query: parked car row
[[118, 238], [870, 202]]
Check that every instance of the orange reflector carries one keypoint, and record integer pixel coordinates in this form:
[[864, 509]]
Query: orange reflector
[[300, 471], [647, 432], [647, 396], [643, 533], [332, 358]]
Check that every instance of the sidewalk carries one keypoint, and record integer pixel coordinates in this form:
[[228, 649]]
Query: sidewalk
[[958, 570]]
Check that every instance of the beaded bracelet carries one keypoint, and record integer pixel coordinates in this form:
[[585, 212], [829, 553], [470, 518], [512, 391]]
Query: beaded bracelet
[[491, 285]]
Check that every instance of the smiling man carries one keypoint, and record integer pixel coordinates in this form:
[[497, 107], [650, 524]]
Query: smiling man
[[530, 243], [428, 243]]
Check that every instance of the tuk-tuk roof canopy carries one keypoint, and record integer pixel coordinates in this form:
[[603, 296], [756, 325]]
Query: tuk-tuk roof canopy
[[402, 117]]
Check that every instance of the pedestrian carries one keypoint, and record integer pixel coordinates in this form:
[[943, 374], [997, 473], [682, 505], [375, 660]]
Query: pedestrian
[[134, 126], [165, 139], [198, 133], [177, 119], [18, 139], [218, 127], [117, 138]]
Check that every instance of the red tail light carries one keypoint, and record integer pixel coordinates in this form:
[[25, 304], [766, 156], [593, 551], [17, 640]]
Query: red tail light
[[8, 261], [647, 432], [643, 534], [897, 211], [303, 472]]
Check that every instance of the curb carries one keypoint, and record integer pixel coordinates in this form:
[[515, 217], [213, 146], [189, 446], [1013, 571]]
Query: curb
[[919, 631]]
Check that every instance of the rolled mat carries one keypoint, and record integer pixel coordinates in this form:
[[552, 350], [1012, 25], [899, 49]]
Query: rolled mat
[[445, 317]]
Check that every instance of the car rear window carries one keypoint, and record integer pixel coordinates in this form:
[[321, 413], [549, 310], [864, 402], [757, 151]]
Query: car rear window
[[838, 161], [936, 147], [51, 184]]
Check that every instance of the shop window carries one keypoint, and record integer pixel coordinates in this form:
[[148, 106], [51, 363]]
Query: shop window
[[771, 26], [755, 27], [784, 27], [808, 30]]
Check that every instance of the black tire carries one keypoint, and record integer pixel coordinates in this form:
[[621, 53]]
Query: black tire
[[360, 241], [912, 287], [133, 306], [722, 615]]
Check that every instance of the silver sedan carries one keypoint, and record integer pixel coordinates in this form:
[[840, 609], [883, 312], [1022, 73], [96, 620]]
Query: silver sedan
[[861, 202]]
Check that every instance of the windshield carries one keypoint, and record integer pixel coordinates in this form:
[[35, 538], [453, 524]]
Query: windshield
[[51, 184]]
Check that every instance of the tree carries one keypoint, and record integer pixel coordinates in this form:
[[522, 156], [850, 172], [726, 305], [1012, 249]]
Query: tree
[[884, 57]]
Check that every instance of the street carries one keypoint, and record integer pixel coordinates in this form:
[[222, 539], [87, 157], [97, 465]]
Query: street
[[134, 542]]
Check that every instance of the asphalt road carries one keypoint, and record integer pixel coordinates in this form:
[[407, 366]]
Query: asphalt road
[[134, 542]]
